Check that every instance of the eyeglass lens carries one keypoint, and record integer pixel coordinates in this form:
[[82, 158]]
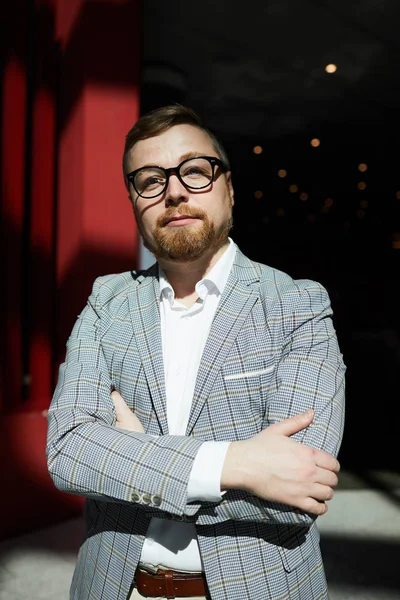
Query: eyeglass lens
[[195, 173]]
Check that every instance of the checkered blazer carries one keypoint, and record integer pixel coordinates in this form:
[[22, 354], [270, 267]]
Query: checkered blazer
[[271, 353]]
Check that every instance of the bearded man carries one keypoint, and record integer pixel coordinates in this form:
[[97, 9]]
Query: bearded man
[[200, 405]]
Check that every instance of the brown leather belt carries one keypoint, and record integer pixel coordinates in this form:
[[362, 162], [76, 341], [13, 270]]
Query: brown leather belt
[[171, 584]]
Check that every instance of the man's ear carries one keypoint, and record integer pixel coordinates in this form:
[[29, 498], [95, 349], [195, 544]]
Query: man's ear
[[231, 191], [129, 189]]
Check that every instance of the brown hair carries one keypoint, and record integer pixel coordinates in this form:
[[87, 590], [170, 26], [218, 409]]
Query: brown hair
[[161, 119]]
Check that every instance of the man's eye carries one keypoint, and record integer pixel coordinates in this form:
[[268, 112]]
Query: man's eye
[[194, 172], [152, 182]]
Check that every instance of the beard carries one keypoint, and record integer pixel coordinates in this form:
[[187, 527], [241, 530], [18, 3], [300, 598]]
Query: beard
[[185, 243]]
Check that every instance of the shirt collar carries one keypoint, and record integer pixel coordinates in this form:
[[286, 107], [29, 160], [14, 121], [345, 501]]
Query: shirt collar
[[216, 278]]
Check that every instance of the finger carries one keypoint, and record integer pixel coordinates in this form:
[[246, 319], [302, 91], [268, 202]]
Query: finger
[[314, 507], [120, 405], [294, 424], [321, 493], [326, 477], [116, 395], [326, 461]]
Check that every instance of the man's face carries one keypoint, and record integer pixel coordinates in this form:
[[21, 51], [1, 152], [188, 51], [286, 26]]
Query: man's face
[[181, 224]]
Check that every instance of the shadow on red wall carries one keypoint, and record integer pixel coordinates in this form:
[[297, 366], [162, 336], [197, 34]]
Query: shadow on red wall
[[102, 47], [29, 498]]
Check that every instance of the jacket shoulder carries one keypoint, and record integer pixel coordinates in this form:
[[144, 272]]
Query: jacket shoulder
[[113, 289], [277, 283]]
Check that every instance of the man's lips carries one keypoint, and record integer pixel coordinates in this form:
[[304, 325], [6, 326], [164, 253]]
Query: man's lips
[[180, 220]]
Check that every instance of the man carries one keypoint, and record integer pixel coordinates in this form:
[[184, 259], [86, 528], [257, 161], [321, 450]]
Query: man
[[200, 405]]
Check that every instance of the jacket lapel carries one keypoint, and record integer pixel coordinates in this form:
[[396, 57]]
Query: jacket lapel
[[145, 314], [237, 300]]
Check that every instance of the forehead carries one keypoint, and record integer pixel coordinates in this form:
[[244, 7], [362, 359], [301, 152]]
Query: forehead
[[169, 148]]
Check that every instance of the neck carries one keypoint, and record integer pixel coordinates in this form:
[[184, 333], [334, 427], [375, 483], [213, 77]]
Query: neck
[[183, 276]]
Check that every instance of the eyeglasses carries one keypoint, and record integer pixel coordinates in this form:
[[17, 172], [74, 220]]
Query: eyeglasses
[[194, 173]]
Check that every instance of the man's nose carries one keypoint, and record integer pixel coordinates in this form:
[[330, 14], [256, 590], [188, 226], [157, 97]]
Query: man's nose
[[175, 191]]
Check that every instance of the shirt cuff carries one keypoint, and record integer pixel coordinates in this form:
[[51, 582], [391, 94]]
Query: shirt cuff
[[205, 477]]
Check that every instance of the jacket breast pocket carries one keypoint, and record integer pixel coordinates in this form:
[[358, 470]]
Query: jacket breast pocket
[[246, 392], [250, 374]]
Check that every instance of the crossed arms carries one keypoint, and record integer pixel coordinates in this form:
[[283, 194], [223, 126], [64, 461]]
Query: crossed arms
[[269, 465], [93, 451]]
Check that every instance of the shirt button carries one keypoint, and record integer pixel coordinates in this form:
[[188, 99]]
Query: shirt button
[[156, 500], [146, 499], [135, 497]]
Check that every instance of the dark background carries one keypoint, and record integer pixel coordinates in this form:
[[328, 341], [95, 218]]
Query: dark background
[[255, 72]]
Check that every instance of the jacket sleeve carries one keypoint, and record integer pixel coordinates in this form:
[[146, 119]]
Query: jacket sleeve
[[87, 455], [309, 374]]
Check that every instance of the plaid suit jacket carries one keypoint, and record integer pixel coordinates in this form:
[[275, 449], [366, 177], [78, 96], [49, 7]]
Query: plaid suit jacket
[[271, 353]]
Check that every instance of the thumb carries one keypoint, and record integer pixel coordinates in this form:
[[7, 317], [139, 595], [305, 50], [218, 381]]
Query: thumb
[[290, 426], [120, 405]]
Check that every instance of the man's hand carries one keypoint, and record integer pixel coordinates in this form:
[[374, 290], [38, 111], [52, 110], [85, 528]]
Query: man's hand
[[273, 467], [126, 419]]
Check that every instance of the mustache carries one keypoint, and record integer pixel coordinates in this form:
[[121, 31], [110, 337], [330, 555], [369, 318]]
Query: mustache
[[172, 213]]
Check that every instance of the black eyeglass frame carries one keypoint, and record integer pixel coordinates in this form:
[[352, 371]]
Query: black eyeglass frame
[[214, 162]]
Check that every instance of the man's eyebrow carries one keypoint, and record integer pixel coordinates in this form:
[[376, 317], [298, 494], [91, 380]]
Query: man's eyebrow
[[190, 155], [185, 156]]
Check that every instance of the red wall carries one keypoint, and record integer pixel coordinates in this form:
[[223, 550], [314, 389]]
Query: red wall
[[70, 94]]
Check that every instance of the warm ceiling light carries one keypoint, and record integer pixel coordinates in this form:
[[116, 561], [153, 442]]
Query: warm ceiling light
[[258, 194], [257, 149], [315, 142], [362, 167], [331, 68], [303, 196], [293, 188], [282, 173], [361, 185]]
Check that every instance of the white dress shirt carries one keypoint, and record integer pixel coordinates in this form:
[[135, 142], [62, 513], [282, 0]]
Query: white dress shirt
[[184, 331]]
